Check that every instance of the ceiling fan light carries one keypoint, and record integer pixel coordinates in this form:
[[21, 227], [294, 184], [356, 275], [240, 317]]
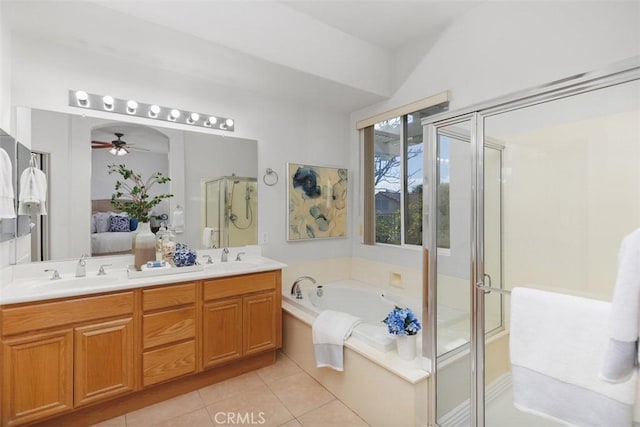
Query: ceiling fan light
[[113, 151], [122, 151]]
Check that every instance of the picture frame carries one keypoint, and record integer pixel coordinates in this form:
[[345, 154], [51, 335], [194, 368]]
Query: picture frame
[[317, 202]]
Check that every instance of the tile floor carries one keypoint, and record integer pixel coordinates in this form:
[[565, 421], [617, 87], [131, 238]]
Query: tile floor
[[278, 395]]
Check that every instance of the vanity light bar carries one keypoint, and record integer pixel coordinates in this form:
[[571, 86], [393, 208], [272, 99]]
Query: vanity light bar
[[130, 107]]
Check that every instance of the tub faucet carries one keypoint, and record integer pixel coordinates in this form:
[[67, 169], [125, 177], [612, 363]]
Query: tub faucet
[[81, 267], [225, 253], [295, 288]]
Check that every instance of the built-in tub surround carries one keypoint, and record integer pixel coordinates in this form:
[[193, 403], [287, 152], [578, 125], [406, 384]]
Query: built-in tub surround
[[372, 366]]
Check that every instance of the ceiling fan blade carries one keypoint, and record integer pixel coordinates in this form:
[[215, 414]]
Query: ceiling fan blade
[[101, 144]]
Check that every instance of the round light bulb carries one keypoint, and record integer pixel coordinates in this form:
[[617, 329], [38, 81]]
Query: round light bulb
[[108, 102], [131, 106], [154, 110], [194, 117], [229, 122], [175, 114], [213, 120], [82, 97]]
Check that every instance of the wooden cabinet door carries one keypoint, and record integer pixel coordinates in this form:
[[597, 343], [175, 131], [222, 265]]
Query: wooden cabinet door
[[37, 377], [259, 313], [222, 331], [104, 360]]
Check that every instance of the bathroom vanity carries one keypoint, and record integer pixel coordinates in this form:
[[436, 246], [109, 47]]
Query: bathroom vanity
[[129, 343]]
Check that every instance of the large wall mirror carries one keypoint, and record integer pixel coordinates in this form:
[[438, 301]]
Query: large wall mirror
[[78, 150]]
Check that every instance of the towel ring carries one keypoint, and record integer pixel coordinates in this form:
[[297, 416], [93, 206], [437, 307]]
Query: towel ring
[[270, 172]]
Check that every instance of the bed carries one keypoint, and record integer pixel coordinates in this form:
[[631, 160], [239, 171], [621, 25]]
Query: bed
[[107, 242]]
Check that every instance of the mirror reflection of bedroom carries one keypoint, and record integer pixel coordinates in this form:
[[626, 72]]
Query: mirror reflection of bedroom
[[140, 148]]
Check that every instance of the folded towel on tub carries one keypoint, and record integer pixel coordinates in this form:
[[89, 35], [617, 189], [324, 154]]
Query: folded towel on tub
[[622, 353], [557, 345], [329, 331]]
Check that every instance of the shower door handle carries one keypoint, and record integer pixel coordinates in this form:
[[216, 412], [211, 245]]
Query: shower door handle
[[488, 288]]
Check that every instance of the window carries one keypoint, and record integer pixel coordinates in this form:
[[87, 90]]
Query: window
[[393, 173]]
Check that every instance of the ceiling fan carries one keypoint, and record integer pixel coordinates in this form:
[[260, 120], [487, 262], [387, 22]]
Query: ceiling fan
[[117, 147]]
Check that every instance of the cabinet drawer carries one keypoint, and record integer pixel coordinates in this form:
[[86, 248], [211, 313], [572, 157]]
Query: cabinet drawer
[[168, 326], [168, 296], [48, 315], [238, 285], [169, 362]]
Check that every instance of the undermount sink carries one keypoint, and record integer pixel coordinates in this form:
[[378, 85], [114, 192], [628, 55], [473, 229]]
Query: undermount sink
[[71, 282], [232, 265]]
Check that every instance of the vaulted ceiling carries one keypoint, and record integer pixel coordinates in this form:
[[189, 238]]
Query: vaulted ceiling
[[340, 54]]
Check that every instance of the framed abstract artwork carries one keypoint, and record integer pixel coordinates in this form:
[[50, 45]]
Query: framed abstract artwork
[[318, 202]]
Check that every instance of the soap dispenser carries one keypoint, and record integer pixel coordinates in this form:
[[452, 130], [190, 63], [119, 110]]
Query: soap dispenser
[[160, 236]]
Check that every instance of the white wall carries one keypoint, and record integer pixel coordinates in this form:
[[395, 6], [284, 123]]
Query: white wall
[[284, 131], [6, 247], [501, 47]]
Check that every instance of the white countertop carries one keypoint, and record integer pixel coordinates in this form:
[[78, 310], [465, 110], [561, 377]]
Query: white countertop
[[37, 287]]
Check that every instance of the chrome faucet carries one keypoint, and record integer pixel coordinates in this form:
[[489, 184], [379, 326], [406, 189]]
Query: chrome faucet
[[81, 267], [101, 271], [208, 257], [55, 275], [295, 288], [225, 252], [238, 256]]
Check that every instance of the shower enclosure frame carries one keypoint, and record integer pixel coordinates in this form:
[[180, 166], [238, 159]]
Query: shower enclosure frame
[[618, 73]]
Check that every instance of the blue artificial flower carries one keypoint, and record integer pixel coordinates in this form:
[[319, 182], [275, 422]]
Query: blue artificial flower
[[402, 321]]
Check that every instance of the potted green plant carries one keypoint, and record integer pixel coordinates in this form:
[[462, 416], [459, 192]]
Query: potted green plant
[[132, 196]]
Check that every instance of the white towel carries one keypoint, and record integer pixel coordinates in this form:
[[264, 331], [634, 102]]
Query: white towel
[[209, 237], [329, 331], [622, 352], [557, 344], [33, 192], [7, 205]]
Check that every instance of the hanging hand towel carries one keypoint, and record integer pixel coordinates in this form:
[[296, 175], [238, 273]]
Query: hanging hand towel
[[329, 331], [7, 202], [622, 352], [33, 192], [557, 343], [209, 237]]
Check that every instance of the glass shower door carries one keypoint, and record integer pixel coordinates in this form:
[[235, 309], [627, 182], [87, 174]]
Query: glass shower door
[[453, 182]]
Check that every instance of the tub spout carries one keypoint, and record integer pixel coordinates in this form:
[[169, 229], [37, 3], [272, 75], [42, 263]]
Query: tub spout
[[295, 288]]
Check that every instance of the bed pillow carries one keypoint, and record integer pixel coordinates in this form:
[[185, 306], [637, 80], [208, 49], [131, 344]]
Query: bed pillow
[[103, 221], [120, 223]]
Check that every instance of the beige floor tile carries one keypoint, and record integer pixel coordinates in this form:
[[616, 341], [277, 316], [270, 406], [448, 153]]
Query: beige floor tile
[[230, 387], [163, 411], [334, 413], [300, 393], [113, 422], [258, 406], [282, 368], [199, 418]]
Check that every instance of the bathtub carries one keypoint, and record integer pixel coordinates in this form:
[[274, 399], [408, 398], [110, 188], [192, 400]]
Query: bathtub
[[368, 303], [371, 369]]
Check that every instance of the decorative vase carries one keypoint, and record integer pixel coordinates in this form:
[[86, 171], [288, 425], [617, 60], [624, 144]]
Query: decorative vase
[[144, 245], [406, 345]]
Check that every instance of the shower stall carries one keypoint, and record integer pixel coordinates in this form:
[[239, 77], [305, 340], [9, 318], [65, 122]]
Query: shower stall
[[230, 210], [543, 186]]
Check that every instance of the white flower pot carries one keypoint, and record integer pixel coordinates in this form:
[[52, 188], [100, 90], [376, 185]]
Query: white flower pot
[[406, 345]]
